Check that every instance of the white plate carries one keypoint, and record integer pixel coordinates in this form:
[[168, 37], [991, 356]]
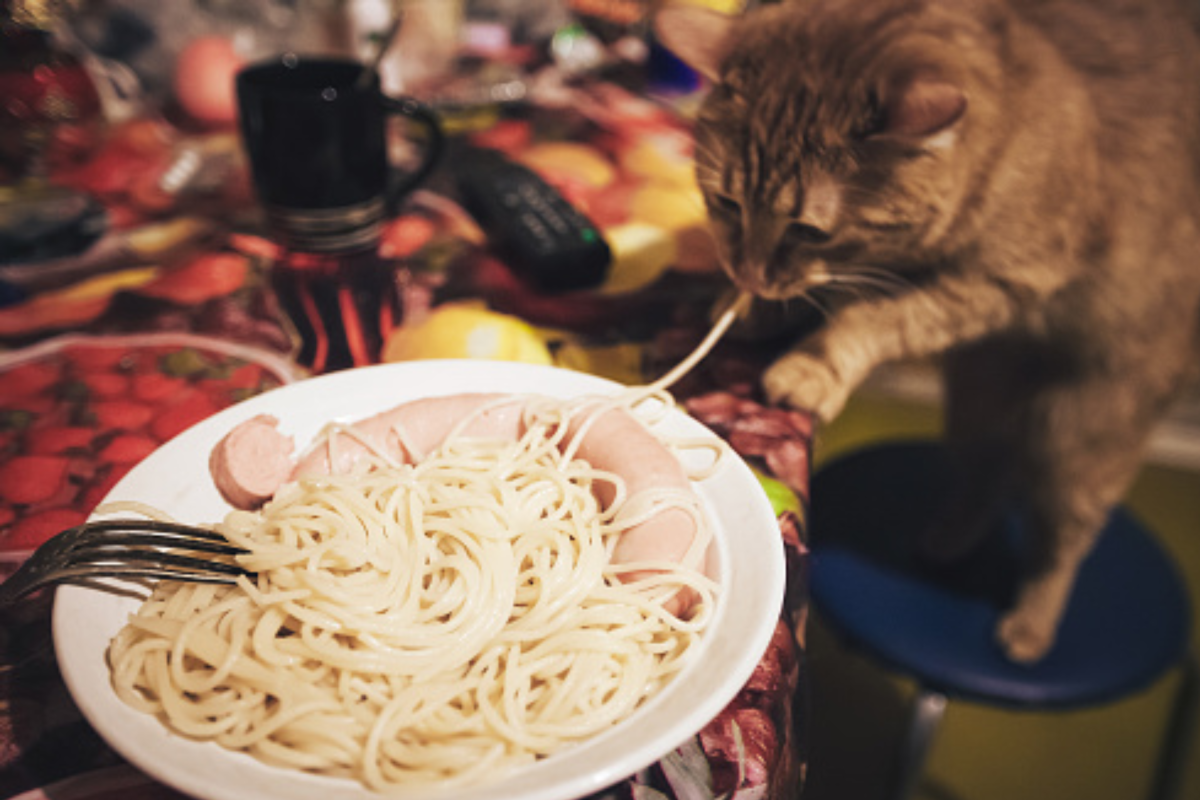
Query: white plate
[[175, 478]]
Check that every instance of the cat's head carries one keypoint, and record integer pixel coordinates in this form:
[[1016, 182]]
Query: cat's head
[[827, 147]]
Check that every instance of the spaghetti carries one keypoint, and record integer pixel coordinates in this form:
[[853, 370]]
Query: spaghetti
[[438, 621]]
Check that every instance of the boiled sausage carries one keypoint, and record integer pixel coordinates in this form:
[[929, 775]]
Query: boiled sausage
[[254, 460]]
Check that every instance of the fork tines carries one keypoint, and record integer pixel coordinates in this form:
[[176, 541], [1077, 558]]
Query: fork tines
[[150, 548], [126, 548]]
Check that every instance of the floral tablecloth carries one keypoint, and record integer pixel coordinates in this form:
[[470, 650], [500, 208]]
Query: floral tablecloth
[[171, 317]]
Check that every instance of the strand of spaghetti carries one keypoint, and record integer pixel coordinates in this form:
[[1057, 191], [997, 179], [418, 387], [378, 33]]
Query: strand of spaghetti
[[194, 681], [727, 318], [650, 502]]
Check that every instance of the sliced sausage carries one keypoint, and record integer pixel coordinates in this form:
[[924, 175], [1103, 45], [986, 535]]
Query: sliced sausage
[[251, 462]]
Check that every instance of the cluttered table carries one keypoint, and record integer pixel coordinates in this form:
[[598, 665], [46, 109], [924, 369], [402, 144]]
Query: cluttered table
[[144, 290]]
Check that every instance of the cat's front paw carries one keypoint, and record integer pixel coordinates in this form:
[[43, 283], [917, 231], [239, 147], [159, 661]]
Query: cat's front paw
[[804, 382]]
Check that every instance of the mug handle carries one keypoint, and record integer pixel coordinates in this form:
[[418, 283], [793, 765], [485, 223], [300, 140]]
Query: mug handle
[[421, 113]]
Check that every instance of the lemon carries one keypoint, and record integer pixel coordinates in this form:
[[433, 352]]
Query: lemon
[[459, 330]]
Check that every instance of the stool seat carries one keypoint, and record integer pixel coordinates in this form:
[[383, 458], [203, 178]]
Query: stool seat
[[1127, 622]]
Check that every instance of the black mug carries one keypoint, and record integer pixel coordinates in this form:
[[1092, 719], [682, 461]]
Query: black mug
[[315, 131]]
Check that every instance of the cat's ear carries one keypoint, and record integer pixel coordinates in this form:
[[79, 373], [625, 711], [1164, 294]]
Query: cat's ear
[[921, 106], [698, 36]]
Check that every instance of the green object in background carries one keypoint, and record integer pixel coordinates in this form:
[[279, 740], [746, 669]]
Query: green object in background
[[782, 498]]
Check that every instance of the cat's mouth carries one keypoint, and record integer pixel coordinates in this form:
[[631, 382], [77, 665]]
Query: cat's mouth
[[780, 285], [769, 292]]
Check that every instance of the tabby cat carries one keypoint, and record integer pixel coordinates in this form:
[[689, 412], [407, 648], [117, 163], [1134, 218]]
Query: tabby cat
[[1013, 185]]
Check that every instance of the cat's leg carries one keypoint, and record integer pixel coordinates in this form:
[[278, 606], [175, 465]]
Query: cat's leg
[[827, 365], [820, 372], [983, 387], [806, 380], [1083, 449]]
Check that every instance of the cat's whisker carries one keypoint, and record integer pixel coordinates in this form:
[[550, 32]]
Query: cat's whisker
[[862, 285], [858, 290], [876, 278], [874, 274], [853, 290], [810, 298]]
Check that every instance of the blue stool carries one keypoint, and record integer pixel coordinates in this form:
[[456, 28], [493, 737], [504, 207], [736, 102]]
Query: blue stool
[[1127, 623]]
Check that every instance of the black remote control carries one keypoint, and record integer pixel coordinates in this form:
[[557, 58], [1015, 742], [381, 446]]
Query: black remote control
[[531, 226]]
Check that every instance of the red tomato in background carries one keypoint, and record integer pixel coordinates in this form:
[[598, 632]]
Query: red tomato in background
[[204, 81]]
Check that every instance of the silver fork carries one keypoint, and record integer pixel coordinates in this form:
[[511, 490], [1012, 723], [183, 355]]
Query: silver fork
[[125, 548]]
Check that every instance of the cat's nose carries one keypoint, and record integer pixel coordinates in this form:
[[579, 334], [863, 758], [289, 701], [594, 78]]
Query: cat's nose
[[756, 277]]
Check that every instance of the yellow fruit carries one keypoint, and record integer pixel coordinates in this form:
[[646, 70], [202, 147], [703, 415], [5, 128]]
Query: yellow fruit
[[679, 210], [465, 331], [666, 206], [570, 160], [659, 162], [640, 254]]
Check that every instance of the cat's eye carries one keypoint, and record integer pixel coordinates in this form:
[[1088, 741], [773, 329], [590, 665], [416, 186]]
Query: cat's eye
[[873, 121], [725, 205], [803, 233]]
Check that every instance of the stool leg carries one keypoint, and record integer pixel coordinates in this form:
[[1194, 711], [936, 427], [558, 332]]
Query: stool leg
[[925, 716], [1181, 729]]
